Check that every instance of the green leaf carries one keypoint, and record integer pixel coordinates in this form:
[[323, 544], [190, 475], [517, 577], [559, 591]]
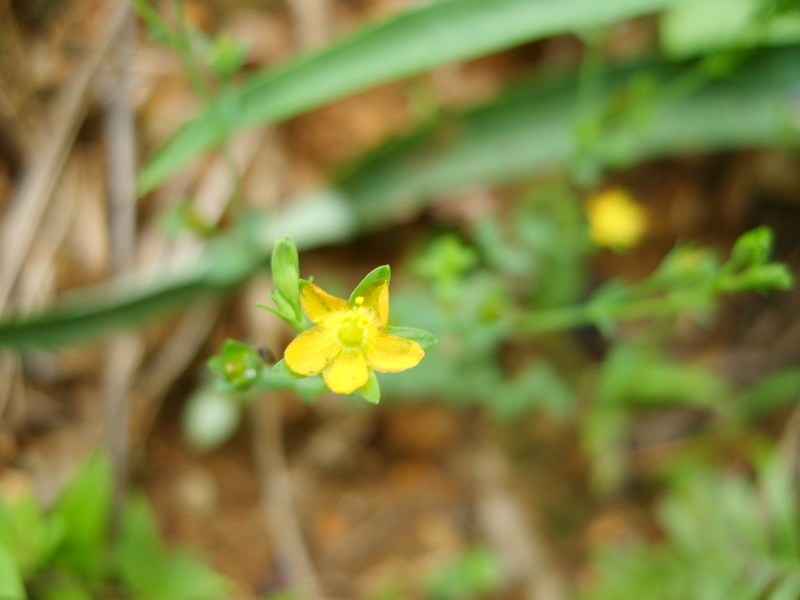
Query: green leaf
[[139, 546], [476, 573], [281, 370], [787, 589], [760, 278], [692, 27], [11, 585], [84, 511], [752, 248], [771, 393], [726, 536], [285, 310], [371, 391], [28, 533], [374, 278], [286, 274], [156, 573], [533, 126], [423, 338], [65, 589], [428, 36]]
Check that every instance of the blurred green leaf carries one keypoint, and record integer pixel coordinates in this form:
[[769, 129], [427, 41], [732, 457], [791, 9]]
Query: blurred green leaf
[[427, 36], [770, 393], [63, 588], [632, 375], [28, 533], [753, 247], [513, 138], [692, 27], [473, 574], [11, 586], [155, 573], [529, 130], [425, 339], [726, 537], [84, 510]]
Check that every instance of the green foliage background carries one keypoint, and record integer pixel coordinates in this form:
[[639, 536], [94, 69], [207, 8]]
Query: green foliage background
[[726, 77]]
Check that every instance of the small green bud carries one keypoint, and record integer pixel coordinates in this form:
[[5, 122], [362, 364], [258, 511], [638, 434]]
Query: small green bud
[[226, 56], [237, 366], [761, 278], [286, 274], [447, 259], [752, 248], [688, 266]]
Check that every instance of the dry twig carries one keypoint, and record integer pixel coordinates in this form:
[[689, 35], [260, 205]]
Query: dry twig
[[167, 365], [126, 350], [311, 18]]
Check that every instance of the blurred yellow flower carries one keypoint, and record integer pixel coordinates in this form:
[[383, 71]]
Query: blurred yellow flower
[[616, 220], [350, 339]]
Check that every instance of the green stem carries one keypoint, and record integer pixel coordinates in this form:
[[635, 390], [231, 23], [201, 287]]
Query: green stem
[[182, 45], [569, 317], [555, 319]]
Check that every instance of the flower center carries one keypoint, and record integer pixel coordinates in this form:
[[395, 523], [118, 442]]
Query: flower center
[[351, 331]]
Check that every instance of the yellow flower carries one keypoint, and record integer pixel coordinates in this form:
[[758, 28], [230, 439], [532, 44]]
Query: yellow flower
[[350, 338], [615, 219]]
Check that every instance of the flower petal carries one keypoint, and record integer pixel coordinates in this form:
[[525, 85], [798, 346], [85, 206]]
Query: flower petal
[[376, 299], [312, 351], [348, 372], [319, 304], [389, 353]]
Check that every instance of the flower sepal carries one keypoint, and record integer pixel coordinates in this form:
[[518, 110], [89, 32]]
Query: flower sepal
[[306, 387], [424, 338], [237, 366], [371, 391], [281, 370], [286, 277], [372, 280]]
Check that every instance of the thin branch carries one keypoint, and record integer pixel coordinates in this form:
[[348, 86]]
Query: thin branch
[[126, 350], [9, 367], [311, 19], [164, 368], [276, 486]]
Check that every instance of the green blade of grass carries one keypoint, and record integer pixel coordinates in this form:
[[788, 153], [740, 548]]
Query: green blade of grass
[[533, 129], [513, 138], [434, 34]]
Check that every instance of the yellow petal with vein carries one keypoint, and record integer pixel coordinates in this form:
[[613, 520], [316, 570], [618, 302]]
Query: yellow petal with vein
[[312, 351], [319, 304], [377, 300], [348, 372], [390, 353]]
